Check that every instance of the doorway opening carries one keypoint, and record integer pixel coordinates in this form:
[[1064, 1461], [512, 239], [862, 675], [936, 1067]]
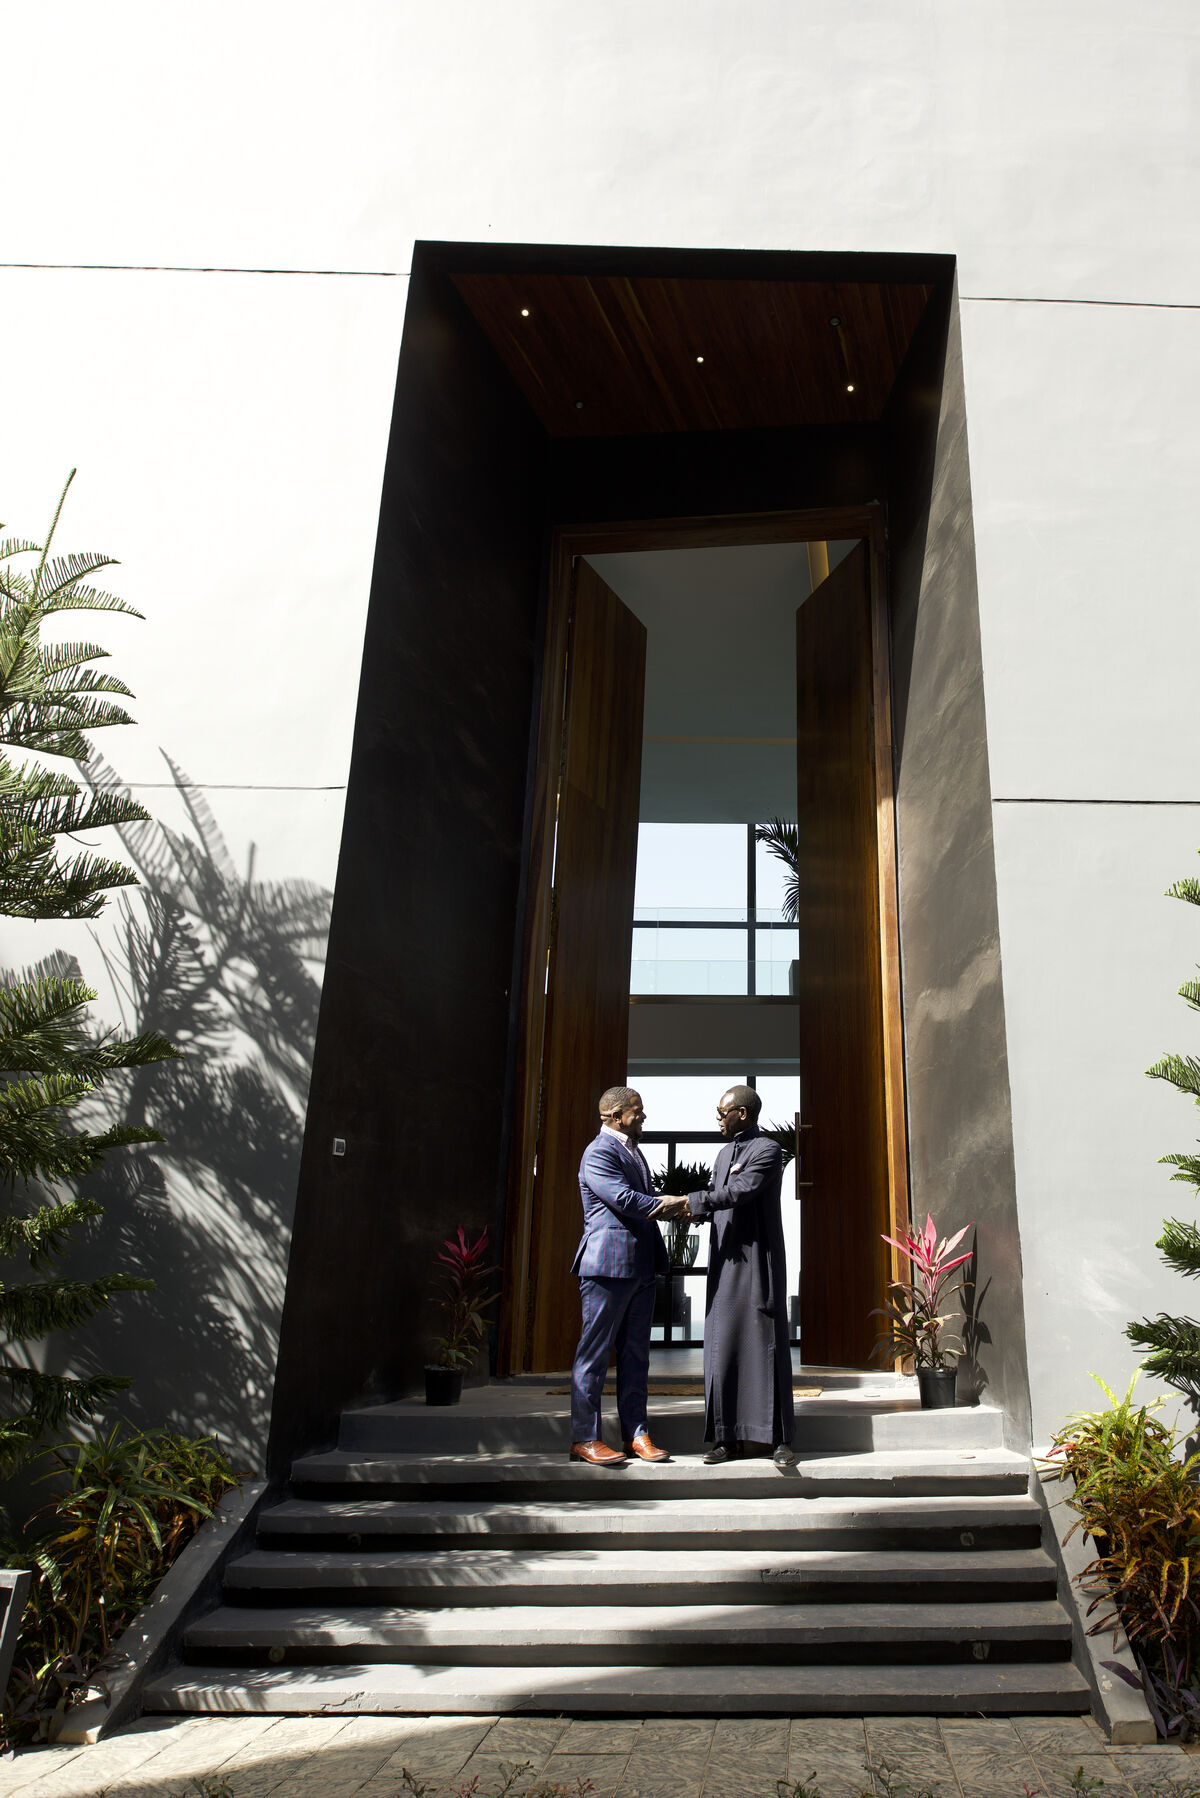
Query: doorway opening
[[707, 694]]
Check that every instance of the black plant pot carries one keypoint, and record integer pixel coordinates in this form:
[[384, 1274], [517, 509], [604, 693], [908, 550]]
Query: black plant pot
[[937, 1387], [443, 1385], [679, 1309]]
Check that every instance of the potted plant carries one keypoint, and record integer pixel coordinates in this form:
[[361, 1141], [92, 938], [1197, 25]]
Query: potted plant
[[682, 1240], [915, 1321], [463, 1298]]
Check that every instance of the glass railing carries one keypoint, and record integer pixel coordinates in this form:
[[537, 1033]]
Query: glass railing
[[713, 953]]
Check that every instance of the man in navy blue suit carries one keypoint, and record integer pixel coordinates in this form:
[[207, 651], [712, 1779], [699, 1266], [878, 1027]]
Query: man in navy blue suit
[[619, 1254]]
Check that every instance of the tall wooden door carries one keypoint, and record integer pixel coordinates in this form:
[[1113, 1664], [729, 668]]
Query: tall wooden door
[[585, 1040], [848, 984]]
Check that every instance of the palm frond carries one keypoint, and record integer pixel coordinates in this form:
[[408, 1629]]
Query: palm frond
[[207, 829], [782, 840]]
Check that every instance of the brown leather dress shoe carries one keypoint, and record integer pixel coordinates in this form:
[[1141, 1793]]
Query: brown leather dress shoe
[[644, 1449], [597, 1454]]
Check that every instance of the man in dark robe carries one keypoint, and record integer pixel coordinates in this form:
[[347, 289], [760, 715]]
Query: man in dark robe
[[747, 1352]]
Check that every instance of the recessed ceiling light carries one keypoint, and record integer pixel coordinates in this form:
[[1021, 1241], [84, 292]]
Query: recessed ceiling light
[[849, 386], [524, 312], [579, 405], [699, 358]]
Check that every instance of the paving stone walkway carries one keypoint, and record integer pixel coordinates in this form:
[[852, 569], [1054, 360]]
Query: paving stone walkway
[[364, 1757]]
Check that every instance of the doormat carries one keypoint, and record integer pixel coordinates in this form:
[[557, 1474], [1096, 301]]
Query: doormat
[[678, 1389]]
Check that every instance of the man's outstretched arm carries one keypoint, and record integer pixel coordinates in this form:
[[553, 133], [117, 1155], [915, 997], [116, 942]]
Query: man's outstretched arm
[[608, 1180], [747, 1180]]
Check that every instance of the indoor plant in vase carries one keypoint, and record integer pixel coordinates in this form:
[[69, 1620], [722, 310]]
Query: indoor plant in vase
[[682, 1239], [462, 1298], [914, 1317]]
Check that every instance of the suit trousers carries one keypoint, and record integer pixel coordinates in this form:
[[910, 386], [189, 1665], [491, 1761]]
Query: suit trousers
[[616, 1313]]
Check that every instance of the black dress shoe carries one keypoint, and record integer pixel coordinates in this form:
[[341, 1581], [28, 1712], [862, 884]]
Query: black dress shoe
[[783, 1456], [719, 1453]]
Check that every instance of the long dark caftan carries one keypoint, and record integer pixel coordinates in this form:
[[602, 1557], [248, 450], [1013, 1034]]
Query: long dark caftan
[[747, 1355]]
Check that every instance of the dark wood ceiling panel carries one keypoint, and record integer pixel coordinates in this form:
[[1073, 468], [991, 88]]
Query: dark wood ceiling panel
[[611, 355]]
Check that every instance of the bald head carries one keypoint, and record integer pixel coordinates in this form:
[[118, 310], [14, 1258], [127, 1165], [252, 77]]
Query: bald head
[[742, 1098]]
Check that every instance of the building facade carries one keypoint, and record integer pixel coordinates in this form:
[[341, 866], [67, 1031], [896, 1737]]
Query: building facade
[[214, 270]]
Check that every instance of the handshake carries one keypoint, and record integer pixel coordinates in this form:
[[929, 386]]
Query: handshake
[[671, 1210]]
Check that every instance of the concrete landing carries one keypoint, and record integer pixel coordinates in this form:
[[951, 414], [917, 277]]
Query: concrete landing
[[856, 1413]]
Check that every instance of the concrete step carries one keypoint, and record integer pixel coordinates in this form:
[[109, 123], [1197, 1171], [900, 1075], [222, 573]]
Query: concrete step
[[822, 1520], [651, 1635], [501, 1420], [1002, 1688], [552, 1478], [482, 1576], [671, 1367]]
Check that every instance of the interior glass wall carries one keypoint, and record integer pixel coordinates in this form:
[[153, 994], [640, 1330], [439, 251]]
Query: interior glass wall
[[711, 978]]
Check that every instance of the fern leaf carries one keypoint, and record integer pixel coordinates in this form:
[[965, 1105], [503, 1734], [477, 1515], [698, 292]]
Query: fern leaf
[[1174, 1350], [1188, 1166], [17, 546], [33, 1310], [53, 1400], [42, 1234], [60, 573], [1180, 1246], [1182, 1071]]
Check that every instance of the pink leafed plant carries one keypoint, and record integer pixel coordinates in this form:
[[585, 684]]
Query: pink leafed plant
[[463, 1297], [915, 1322]]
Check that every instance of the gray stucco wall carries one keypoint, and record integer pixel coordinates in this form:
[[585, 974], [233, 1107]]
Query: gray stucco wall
[[959, 1112]]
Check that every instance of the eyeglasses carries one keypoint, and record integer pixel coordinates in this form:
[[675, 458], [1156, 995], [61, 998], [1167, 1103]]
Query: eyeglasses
[[728, 1113]]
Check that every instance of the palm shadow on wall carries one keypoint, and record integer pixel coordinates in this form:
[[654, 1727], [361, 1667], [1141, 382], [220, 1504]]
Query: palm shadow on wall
[[224, 965]]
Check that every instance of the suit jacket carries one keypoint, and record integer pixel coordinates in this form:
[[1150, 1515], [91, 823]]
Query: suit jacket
[[619, 1239]]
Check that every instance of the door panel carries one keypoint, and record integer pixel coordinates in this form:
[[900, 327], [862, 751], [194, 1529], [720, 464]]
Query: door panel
[[586, 1036], [843, 1263]]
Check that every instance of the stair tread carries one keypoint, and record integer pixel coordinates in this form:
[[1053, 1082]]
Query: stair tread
[[602, 1625], [505, 1567], [475, 1468], [754, 1690], [734, 1513]]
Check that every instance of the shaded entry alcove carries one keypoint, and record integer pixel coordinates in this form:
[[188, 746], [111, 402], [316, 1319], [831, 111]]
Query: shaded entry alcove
[[420, 1063], [575, 1007]]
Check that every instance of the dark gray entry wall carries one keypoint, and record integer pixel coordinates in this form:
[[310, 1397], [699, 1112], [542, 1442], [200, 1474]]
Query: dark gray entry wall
[[415, 1040], [413, 1035], [956, 1055]]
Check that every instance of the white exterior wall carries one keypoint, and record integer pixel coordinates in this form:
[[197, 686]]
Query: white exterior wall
[[230, 426]]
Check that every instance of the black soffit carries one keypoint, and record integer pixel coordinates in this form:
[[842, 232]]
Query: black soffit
[[606, 354]]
